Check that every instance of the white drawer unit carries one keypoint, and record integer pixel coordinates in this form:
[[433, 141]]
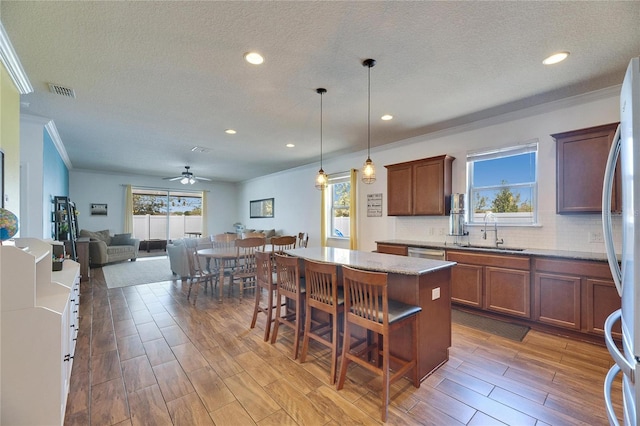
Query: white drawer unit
[[39, 326]]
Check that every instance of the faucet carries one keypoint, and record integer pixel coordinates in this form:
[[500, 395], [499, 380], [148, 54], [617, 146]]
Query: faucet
[[489, 215]]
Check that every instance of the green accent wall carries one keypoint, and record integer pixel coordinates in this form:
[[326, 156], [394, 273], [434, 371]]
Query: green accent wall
[[10, 139]]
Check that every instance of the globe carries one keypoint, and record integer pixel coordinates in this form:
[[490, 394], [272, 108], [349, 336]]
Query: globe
[[8, 224]]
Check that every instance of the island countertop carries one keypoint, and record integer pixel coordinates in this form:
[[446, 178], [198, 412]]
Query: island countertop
[[377, 262]]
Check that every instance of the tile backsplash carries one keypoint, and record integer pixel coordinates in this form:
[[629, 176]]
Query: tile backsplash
[[554, 232]]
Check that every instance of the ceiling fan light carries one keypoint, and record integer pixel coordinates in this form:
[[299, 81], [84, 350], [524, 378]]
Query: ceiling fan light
[[192, 180], [368, 171], [184, 180]]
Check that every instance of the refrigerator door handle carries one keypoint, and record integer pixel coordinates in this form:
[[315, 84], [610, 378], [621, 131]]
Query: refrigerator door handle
[[618, 357], [608, 383], [607, 189]]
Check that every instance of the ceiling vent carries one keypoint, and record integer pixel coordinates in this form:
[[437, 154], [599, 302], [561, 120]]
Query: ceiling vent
[[200, 149], [62, 91]]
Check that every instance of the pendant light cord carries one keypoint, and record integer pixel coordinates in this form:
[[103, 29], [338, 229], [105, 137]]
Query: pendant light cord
[[369, 116], [321, 92]]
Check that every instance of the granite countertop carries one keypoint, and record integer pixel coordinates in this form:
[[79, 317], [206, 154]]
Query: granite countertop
[[369, 261], [576, 255]]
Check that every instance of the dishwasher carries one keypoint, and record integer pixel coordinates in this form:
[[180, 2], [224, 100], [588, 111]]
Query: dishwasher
[[425, 253]]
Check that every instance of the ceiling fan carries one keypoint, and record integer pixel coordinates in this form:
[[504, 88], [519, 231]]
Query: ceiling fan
[[187, 177]]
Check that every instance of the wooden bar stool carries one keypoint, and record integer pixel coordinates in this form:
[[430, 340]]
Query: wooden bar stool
[[323, 294], [292, 289], [367, 305], [264, 280]]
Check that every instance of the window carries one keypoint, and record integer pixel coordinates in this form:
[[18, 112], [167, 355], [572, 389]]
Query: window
[[505, 183], [339, 190], [166, 215]]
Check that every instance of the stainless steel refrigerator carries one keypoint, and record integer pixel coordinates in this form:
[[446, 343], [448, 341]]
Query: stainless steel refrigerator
[[626, 146]]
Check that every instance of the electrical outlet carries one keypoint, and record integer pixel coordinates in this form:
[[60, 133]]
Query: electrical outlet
[[431, 231], [596, 237], [435, 293]]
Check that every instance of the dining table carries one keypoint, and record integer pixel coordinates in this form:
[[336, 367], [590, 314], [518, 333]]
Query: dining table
[[221, 256], [416, 281]]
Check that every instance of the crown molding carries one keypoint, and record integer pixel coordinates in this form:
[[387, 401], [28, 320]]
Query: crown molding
[[12, 64], [51, 128]]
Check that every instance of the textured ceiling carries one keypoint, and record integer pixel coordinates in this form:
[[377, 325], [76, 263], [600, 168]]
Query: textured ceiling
[[154, 79]]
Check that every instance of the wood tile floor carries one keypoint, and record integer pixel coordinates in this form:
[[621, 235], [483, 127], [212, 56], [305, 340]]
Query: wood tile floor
[[145, 356]]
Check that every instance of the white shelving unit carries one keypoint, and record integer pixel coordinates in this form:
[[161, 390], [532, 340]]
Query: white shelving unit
[[39, 327]]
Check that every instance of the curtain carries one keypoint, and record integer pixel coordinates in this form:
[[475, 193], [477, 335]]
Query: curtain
[[353, 214], [204, 214], [323, 219], [128, 210]]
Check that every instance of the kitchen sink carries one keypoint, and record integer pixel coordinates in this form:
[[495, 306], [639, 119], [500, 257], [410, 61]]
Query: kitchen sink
[[494, 248]]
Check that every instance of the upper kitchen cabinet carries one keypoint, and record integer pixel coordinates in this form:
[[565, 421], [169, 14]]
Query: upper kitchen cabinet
[[581, 159], [420, 187]]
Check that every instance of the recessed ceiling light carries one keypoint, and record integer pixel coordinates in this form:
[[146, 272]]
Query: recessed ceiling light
[[290, 145], [555, 58], [253, 58], [387, 117], [230, 132]]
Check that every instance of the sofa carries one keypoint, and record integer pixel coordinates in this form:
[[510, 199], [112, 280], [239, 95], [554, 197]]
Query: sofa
[[268, 233], [104, 248]]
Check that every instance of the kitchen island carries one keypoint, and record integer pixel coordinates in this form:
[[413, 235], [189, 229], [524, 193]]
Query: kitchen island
[[421, 282]]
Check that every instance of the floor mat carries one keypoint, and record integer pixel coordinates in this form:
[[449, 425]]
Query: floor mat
[[499, 328]]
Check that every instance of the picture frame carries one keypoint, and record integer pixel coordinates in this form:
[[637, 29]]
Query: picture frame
[[98, 209], [262, 208]]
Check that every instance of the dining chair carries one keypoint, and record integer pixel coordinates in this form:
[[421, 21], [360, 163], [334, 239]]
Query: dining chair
[[280, 244], [323, 294], [265, 280], [244, 272], [223, 242], [367, 305], [303, 240], [291, 287], [198, 274]]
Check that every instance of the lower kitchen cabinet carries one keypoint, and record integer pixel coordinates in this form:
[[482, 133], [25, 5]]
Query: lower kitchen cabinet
[[493, 282], [574, 294], [392, 249]]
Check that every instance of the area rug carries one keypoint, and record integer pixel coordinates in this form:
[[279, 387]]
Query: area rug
[[142, 271], [500, 328]]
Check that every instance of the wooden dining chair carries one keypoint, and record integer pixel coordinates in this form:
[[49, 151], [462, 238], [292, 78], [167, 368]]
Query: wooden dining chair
[[323, 294], [223, 242], [265, 280], [198, 273], [280, 244], [290, 287], [367, 305], [303, 240], [244, 273]]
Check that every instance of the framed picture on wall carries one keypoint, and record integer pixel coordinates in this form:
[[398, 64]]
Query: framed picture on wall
[[261, 208], [98, 209], [1, 179]]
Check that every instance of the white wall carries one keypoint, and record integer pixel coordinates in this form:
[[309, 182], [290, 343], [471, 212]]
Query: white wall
[[31, 176], [87, 187], [298, 202]]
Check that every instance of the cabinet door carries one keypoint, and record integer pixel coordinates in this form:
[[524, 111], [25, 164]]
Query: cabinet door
[[557, 300], [601, 299], [392, 249], [508, 291], [428, 188], [581, 161], [466, 285], [399, 184]]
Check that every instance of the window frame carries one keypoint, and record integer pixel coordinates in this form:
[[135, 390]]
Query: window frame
[[505, 219], [331, 207]]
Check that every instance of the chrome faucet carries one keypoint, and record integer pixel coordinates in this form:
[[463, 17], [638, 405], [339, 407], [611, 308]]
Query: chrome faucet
[[489, 215]]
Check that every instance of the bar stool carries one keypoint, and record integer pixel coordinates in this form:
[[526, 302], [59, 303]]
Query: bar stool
[[367, 305], [323, 294], [293, 290], [264, 280]]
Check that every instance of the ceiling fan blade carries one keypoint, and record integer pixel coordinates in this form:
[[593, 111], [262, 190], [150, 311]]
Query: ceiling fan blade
[[202, 178], [172, 178]]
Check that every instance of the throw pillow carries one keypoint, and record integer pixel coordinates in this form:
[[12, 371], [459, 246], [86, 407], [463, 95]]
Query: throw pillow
[[271, 233], [100, 235], [121, 240]]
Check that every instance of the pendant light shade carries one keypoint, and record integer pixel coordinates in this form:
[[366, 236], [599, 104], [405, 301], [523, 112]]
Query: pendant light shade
[[321, 178], [369, 169]]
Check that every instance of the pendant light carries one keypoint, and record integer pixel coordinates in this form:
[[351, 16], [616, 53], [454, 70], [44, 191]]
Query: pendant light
[[321, 178], [369, 169]]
